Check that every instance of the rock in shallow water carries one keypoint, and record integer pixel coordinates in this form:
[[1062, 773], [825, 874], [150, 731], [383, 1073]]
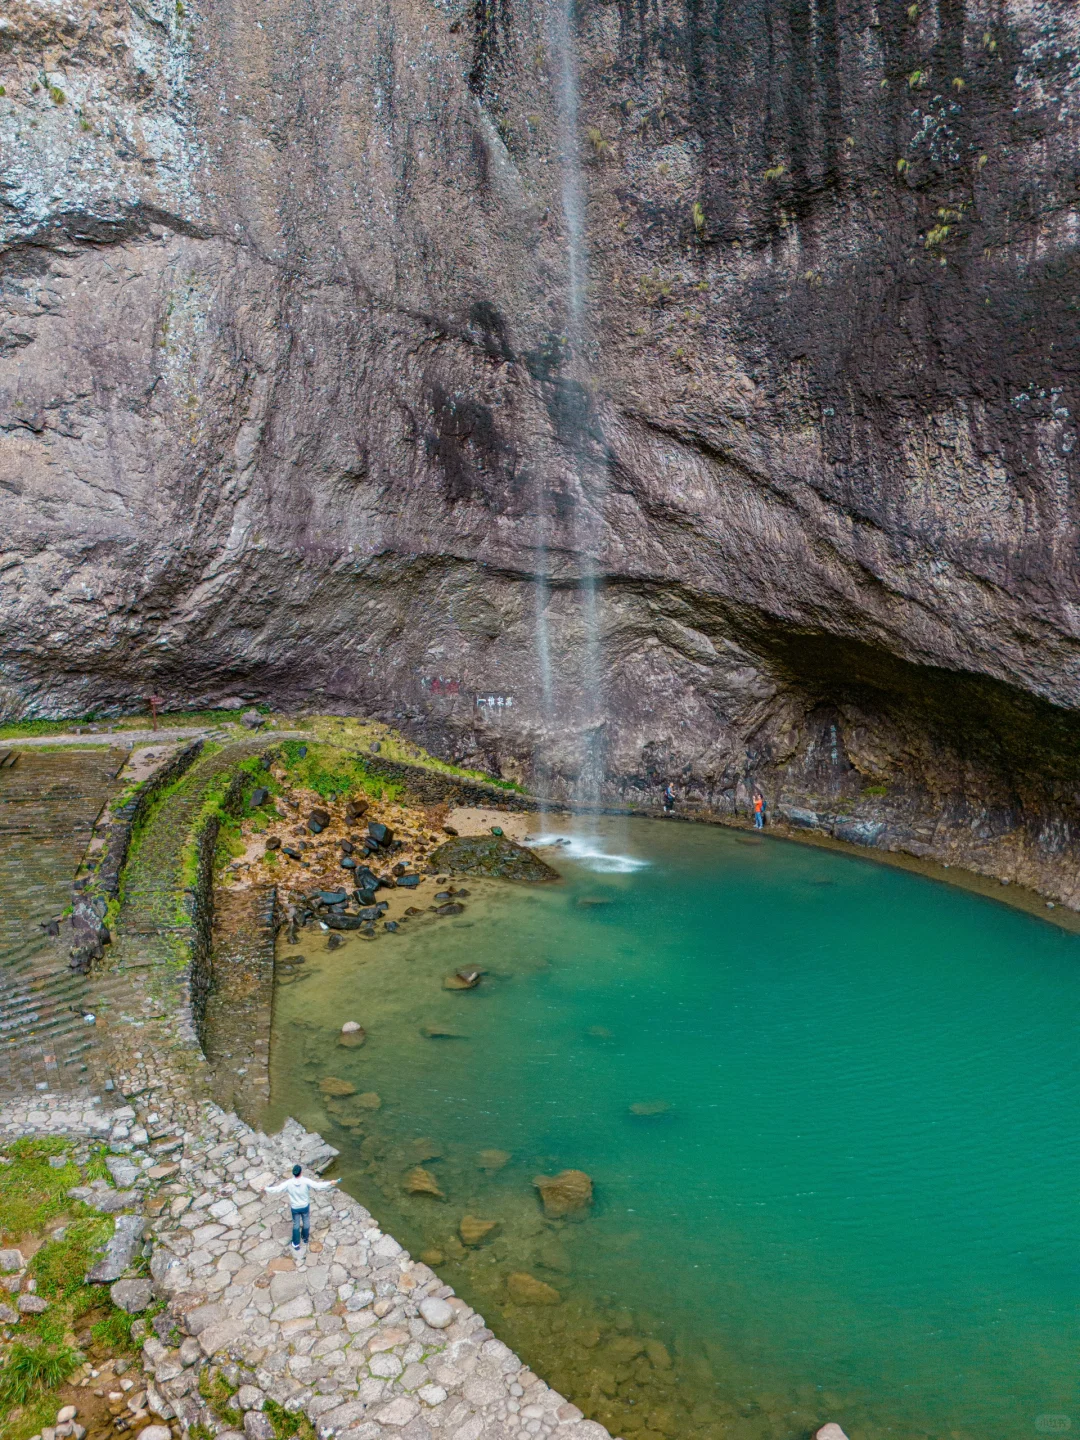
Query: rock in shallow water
[[525, 1289], [491, 855], [568, 1193], [422, 1182], [474, 1231]]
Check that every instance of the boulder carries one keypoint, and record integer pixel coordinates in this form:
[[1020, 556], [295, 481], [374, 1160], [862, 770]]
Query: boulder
[[10, 1261], [525, 1289], [352, 1039], [436, 1313], [273, 842], [259, 796], [421, 1182], [331, 1085], [369, 1100], [568, 1193], [32, 1305], [830, 1431], [381, 834], [8, 1316], [120, 1251], [132, 1296], [474, 1231], [491, 855], [252, 720], [650, 1107]]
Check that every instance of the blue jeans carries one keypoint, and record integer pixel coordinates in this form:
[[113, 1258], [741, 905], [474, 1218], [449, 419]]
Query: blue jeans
[[759, 820], [301, 1221]]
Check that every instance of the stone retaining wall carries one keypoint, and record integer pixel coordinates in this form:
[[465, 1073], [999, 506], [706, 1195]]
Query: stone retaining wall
[[435, 787], [98, 882]]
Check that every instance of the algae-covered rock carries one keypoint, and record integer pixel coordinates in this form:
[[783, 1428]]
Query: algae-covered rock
[[422, 1182], [331, 1085], [568, 1193], [525, 1289], [491, 855], [474, 1231]]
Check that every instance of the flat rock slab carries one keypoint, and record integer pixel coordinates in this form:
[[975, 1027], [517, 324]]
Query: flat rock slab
[[120, 1250], [492, 855], [132, 1296], [123, 1172]]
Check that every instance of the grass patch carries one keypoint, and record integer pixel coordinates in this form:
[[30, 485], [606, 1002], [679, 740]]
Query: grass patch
[[333, 773], [32, 1192], [32, 1369], [114, 1332], [286, 1424], [216, 1391], [875, 790], [61, 1265]]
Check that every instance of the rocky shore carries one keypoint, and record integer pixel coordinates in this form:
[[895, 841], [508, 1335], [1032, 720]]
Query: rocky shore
[[356, 1337]]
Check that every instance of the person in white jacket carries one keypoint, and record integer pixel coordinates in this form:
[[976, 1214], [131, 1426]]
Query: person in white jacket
[[298, 1188]]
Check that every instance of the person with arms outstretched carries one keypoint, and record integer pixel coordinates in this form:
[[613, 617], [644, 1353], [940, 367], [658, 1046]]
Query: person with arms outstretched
[[298, 1188]]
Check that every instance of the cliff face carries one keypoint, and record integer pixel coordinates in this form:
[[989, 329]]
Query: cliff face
[[288, 409]]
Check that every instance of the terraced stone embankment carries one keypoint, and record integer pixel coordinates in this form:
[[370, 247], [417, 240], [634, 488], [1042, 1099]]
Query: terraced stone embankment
[[355, 1337]]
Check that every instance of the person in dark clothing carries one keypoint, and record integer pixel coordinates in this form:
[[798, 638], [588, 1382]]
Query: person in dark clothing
[[669, 800]]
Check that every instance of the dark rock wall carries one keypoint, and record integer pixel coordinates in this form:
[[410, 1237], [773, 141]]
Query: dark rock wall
[[287, 410]]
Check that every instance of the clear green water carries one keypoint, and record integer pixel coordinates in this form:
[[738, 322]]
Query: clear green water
[[864, 1201]]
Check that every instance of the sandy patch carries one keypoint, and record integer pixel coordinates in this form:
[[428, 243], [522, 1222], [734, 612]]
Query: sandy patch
[[474, 820]]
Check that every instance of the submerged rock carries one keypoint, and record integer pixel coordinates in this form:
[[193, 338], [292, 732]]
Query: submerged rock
[[568, 1193], [493, 1159], [650, 1107], [422, 1182], [441, 1032], [474, 1231], [525, 1289], [331, 1085], [491, 855], [830, 1431], [463, 980], [352, 1039], [369, 1100]]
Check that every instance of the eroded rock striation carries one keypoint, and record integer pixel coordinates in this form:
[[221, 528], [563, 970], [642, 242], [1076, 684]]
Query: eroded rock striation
[[295, 402]]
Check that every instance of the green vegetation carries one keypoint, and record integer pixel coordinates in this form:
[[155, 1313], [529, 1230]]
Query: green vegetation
[[114, 1332], [875, 790], [32, 1192], [56, 95], [331, 772], [218, 1392], [59, 1266], [286, 1424], [30, 1369]]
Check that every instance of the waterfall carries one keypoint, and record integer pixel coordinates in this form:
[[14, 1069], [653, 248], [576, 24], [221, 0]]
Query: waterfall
[[588, 684]]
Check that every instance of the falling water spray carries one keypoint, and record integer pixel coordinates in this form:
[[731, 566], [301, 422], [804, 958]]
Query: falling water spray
[[586, 536]]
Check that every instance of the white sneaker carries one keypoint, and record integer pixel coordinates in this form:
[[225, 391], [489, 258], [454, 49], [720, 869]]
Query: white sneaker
[[295, 1250]]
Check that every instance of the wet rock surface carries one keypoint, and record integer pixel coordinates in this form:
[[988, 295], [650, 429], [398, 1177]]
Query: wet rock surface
[[493, 856], [823, 449]]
